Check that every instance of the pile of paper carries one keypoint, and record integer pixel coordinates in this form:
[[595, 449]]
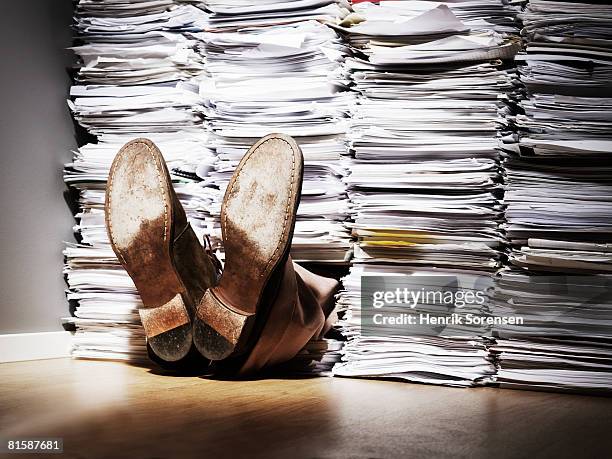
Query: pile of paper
[[559, 212], [137, 77], [143, 73], [558, 173], [559, 203], [393, 32], [564, 342], [475, 15], [426, 182], [274, 67], [451, 357], [400, 108], [232, 15]]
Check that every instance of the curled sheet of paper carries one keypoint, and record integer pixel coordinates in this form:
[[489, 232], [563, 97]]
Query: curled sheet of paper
[[434, 21]]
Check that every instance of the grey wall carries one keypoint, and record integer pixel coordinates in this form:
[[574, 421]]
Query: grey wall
[[36, 136]]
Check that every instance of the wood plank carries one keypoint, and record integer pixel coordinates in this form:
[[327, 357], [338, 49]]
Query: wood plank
[[109, 409]]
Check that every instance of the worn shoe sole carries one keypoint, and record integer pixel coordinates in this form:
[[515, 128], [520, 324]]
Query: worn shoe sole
[[257, 223], [139, 220]]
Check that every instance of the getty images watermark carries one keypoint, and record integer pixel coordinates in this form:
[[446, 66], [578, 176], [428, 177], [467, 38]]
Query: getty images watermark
[[473, 305]]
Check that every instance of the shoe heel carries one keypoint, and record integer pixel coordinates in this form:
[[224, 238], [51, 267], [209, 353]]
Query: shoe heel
[[168, 329], [218, 331]]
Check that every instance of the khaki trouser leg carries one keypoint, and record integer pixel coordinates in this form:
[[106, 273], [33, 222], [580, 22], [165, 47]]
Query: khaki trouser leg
[[299, 313]]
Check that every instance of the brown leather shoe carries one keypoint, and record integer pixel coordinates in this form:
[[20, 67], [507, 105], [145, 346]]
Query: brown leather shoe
[[154, 242], [257, 222]]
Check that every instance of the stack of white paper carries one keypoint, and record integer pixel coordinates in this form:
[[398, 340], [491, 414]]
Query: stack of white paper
[[426, 182], [137, 78], [564, 342], [559, 175], [475, 15], [423, 102], [559, 203], [229, 15], [143, 73], [452, 357], [107, 321], [272, 67], [428, 33]]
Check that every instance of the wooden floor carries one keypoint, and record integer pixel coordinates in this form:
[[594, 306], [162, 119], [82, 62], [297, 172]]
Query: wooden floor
[[112, 410]]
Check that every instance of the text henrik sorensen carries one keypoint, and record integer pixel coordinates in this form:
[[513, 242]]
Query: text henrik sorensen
[[453, 319]]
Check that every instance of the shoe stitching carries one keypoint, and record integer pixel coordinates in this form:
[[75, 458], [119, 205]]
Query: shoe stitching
[[110, 220], [110, 193], [288, 198]]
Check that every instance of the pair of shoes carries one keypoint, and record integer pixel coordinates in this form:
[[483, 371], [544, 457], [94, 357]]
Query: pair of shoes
[[190, 310]]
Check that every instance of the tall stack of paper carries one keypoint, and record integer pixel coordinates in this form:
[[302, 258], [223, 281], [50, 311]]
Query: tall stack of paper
[[559, 204], [275, 66], [564, 340], [137, 78], [143, 73], [426, 182]]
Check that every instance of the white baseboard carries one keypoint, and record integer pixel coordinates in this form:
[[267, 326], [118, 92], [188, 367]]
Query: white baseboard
[[34, 346]]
